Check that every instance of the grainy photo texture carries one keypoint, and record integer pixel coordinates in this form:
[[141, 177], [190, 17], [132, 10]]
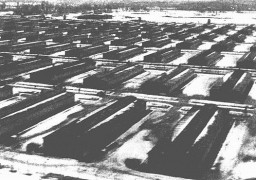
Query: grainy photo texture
[[127, 90]]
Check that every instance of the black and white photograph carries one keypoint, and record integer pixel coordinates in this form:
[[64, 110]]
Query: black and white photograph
[[128, 89]]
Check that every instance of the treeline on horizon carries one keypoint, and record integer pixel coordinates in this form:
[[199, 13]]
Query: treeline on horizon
[[202, 6], [216, 6]]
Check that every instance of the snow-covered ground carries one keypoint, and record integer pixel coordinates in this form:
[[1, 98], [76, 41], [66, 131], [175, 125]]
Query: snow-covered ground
[[184, 58], [180, 16], [242, 48], [229, 60], [4, 13], [200, 86], [206, 45]]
